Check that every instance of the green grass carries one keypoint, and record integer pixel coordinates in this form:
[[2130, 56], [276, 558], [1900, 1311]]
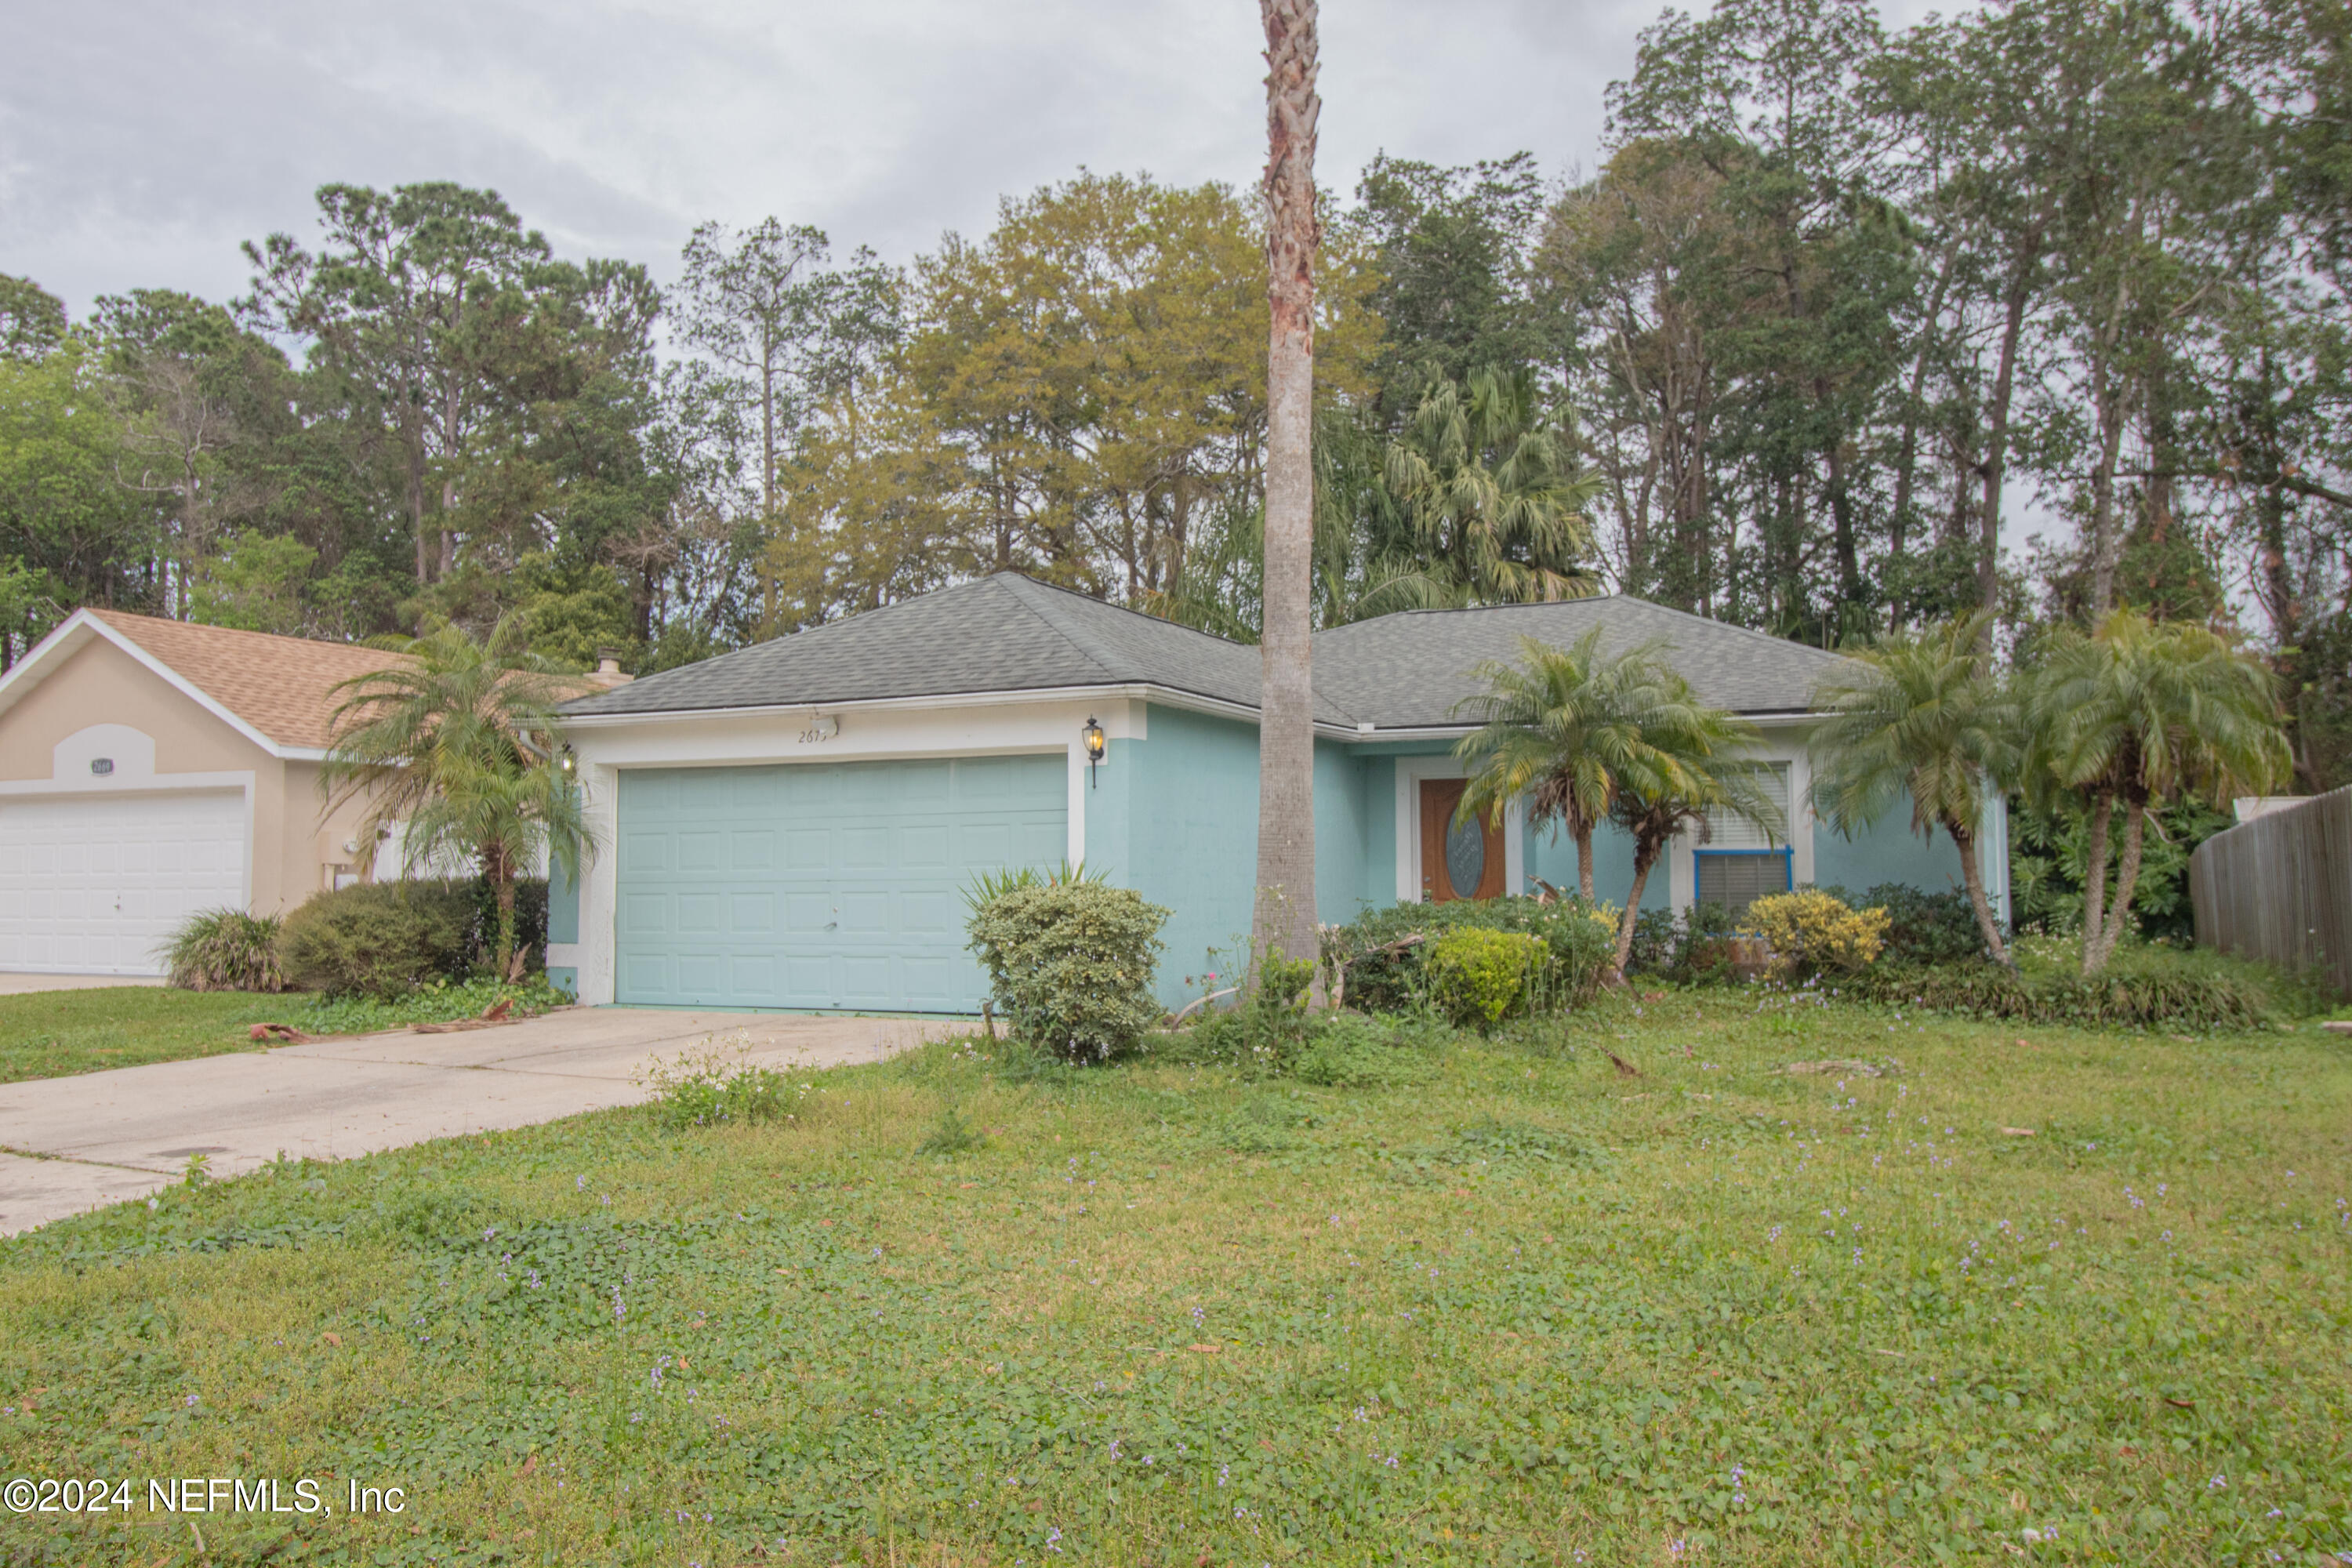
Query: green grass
[[54, 1034], [1527, 1309], [51, 1034]]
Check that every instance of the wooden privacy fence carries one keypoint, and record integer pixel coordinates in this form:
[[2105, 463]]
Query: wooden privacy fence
[[2280, 888]]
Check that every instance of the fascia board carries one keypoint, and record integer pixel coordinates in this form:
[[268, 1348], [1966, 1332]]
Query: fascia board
[[1771, 721], [1133, 691], [30, 670], [197, 694]]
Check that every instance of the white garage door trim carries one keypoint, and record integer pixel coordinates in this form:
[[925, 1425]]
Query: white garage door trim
[[204, 852]]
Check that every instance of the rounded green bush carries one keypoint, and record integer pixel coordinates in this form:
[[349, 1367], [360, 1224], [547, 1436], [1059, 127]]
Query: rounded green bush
[[376, 938], [1478, 976], [1071, 963]]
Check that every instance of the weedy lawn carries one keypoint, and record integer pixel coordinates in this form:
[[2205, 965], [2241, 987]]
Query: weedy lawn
[[1527, 1309], [56, 1034]]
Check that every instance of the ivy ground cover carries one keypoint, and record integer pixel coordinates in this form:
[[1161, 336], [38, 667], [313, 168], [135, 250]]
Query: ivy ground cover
[[1530, 1309]]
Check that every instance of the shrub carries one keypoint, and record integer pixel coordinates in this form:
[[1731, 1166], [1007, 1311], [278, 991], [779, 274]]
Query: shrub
[[1070, 965], [226, 950], [1922, 927], [1813, 932], [379, 939], [530, 920], [1381, 955], [1478, 977], [2182, 999], [1694, 947], [1263, 1033]]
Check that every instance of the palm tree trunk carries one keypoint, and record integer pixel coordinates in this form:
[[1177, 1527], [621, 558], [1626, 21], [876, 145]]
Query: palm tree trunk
[[1584, 860], [2094, 875], [1285, 916], [1964, 839], [506, 920], [2127, 879], [1645, 855]]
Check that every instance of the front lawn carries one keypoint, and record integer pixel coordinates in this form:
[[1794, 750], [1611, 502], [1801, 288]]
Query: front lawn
[[52, 1034], [1527, 1310], [55, 1033]]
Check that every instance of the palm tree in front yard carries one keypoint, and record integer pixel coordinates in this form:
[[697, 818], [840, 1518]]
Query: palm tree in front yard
[[1283, 919], [1692, 765], [457, 744], [2139, 712], [1562, 727], [1919, 713]]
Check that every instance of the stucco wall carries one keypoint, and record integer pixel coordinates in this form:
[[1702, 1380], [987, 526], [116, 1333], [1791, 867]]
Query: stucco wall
[[98, 684], [1174, 816], [1890, 851], [1551, 855]]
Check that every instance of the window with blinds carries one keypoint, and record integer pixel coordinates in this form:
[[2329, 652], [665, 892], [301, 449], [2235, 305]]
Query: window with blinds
[[1730, 830], [1738, 878]]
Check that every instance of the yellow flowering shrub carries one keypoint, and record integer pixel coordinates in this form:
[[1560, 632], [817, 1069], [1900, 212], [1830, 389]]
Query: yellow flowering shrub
[[1811, 931]]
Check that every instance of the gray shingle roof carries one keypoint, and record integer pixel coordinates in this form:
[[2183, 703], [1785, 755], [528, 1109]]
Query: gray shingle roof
[[1004, 633], [1407, 671], [1009, 633]]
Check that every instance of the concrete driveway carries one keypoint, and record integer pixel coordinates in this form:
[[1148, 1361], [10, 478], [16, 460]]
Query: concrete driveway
[[80, 1143]]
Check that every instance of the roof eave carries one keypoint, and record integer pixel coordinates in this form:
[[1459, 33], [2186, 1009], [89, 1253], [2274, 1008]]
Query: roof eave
[[1137, 692], [77, 631]]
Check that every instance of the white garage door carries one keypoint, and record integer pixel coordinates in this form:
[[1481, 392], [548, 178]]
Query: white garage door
[[95, 886]]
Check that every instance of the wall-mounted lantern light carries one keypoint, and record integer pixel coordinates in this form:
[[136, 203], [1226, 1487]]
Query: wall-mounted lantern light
[[1096, 746], [566, 761]]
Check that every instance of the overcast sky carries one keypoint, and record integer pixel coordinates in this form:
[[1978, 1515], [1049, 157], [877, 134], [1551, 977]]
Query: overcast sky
[[141, 140]]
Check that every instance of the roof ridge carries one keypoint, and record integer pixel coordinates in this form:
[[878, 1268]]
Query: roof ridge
[[110, 615], [1089, 654], [1592, 599], [1107, 605]]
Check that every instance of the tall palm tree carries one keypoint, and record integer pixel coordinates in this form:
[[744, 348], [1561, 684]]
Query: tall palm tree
[[2137, 713], [458, 742], [1690, 766], [1284, 917], [1919, 713], [1492, 489], [1563, 727]]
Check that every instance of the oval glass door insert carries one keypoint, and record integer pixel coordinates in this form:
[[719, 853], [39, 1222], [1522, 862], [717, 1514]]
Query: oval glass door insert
[[1465, 857]]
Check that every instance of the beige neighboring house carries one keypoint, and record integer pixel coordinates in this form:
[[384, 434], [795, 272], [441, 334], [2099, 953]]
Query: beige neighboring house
[[152, 768]]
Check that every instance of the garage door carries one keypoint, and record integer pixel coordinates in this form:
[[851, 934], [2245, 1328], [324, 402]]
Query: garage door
[[822, 885], [95, 886]]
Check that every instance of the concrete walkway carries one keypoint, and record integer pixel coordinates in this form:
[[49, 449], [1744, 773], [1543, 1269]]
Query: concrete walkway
[[102, 1137]]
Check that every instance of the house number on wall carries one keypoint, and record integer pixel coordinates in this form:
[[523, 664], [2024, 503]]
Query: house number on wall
[[820, 730]]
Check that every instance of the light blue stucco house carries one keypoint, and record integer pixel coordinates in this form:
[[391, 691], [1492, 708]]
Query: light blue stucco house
[[792, 825]]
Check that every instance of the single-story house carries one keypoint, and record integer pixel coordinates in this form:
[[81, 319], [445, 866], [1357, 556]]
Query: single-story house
[[793, 825], [152, 768]]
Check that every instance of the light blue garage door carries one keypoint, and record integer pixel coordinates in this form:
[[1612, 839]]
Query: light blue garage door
[[822, 885]]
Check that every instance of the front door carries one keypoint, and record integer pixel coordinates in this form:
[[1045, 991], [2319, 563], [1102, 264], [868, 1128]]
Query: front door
[[1458, 859]]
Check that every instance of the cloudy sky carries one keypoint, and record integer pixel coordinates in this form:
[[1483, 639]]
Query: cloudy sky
[[141, 140]]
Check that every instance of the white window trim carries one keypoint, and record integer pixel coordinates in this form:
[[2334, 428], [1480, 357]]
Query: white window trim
[[1777, 746]]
